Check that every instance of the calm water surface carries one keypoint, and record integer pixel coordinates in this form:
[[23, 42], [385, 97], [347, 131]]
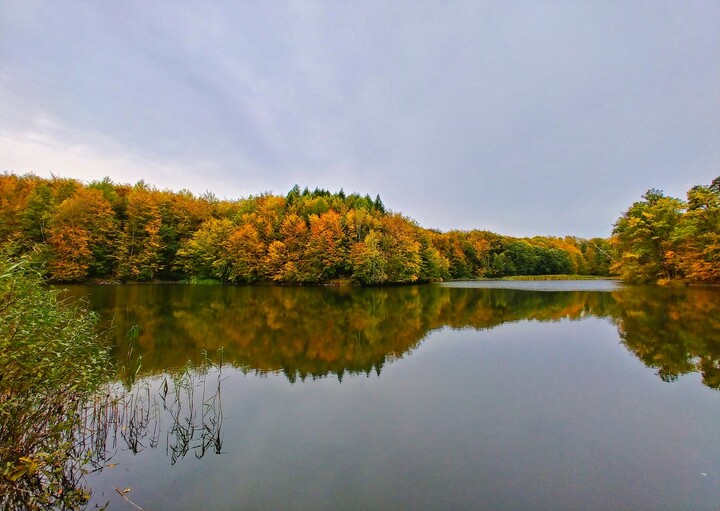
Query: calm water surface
[[487, 396]]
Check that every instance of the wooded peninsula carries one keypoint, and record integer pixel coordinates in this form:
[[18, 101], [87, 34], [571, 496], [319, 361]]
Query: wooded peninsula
[[103, 230]]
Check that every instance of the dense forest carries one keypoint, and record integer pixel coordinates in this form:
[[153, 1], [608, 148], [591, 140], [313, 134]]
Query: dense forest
[[105, 230], [663, 238]]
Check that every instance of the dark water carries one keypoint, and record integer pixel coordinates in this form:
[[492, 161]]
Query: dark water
[[520, 396]]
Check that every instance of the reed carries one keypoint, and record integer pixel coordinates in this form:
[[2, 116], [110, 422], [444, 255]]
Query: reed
[[65, 410]]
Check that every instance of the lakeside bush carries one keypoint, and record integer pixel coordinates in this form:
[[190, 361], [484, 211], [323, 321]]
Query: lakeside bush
[[52, 361]]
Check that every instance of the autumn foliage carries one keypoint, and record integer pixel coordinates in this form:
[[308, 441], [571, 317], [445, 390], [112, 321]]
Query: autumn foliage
[[138, 233], [664, 238]]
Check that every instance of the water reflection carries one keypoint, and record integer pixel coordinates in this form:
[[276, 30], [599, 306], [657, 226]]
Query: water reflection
[[550, 413], [316, 332], [182, 405], [674, 331]]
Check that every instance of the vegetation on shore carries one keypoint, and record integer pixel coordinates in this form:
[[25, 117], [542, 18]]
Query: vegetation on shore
[[663, 239], [104, 230], [62, 409], [557, 277], [120, 232], [51, 361]]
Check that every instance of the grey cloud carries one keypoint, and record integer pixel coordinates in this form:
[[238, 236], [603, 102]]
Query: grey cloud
[[521, 117]]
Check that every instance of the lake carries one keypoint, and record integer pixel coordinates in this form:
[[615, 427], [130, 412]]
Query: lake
[[573, 395]]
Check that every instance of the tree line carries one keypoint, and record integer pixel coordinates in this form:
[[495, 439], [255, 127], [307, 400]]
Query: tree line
[[663, 238], [136, 232]]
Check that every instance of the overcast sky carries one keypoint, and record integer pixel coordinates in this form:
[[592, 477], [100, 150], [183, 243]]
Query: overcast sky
[[523, 118]]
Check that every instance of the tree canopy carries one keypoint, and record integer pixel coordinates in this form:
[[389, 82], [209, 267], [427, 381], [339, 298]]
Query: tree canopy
[[664, 238], [135, 232]]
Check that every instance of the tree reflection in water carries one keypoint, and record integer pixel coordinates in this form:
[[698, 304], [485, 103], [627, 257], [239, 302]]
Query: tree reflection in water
[[675, 331], [318, 331]]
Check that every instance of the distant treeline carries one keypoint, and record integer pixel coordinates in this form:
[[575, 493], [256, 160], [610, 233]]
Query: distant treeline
[[663, 238], [136, 232]]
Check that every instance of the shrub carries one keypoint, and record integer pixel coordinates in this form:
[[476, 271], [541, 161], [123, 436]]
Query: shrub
[[51, 361]]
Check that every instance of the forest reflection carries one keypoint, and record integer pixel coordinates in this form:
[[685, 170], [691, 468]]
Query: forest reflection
[[313, 332]]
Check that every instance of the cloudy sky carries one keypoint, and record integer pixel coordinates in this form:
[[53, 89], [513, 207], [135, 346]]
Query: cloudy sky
[[523, 118]]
